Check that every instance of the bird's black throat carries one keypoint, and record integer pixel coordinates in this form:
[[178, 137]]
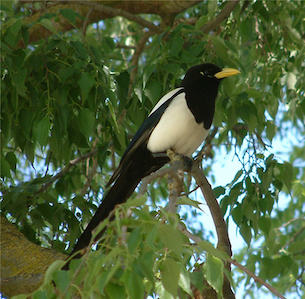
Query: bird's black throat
[[200, 98], [201, 87]]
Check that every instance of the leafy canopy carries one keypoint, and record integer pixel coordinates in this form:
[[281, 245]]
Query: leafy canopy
[[80, 92]]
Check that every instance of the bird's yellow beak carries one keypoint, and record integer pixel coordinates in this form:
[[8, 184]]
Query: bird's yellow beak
[[226, 72]]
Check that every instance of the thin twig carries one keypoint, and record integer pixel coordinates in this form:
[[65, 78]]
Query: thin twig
[[65, 170], [235, 263], [86, 21], [135, 59], [256, 278], [122, 46], [223, 15], [90, 171]]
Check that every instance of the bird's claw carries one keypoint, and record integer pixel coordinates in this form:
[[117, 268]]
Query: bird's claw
[[187, 161]]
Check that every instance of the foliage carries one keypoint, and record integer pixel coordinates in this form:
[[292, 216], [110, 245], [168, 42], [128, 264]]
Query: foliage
[[68, 95]]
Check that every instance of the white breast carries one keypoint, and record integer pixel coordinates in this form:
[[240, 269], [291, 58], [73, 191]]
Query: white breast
[[177, 128]]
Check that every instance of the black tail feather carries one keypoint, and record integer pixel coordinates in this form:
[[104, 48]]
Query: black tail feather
[[130, 172], [120, 191]]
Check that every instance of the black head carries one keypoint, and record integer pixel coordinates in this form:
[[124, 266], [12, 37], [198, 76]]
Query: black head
[[201, 86], [201, 72], [206, 72]]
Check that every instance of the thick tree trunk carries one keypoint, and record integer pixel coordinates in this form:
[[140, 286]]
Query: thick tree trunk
[[23, 263]]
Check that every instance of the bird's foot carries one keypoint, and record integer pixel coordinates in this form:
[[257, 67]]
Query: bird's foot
[[160, 155], [187, 161]]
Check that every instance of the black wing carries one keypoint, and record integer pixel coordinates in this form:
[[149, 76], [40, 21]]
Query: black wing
[[142, 135]]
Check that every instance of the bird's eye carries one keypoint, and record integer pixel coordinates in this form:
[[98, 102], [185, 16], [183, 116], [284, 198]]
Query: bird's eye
[[205, 74]]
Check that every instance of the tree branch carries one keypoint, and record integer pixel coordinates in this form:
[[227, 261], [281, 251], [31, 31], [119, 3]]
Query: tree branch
[[235, 263], [65, 170], [256, 278], [127, 9], [220, 225], [114, 12], [223, 15]]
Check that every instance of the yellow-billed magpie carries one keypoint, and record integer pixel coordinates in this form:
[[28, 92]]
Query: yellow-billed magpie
[[180, 121]]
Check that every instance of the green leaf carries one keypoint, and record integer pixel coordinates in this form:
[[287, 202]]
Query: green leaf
[[81, 52], [69, 14], [105, 277], [185, 282], [12, 160], [220, 48], [208, 247], [176, 45], [134, 239], [11, 31], [40, 294], [148, 71], [5, 168], [86, 82], [171, 238], [197, 278], [237, 175], [57, 265], [170, 273], [270, 130], [237, 214], [212, 7], [190, 202], [214, 272], [201, 21], [297, 248], [264, 223], [147, 260], [286, 173], [245, 231], [135, 202], [122, 86], [153, 90], [19, 81], [134, 284], [115, 291], [61, 279], [41, 131], [162, 292], [48, 24], [219, 191], [138, 93], [86, 120]]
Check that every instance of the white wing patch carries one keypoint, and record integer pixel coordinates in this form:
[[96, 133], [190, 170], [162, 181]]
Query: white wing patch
[[177, 128], [164, 99]]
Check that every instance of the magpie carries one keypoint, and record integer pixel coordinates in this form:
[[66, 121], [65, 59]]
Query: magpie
[[180, 121]]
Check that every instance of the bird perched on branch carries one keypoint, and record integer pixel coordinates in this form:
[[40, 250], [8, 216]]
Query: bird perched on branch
[[180, 121]]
